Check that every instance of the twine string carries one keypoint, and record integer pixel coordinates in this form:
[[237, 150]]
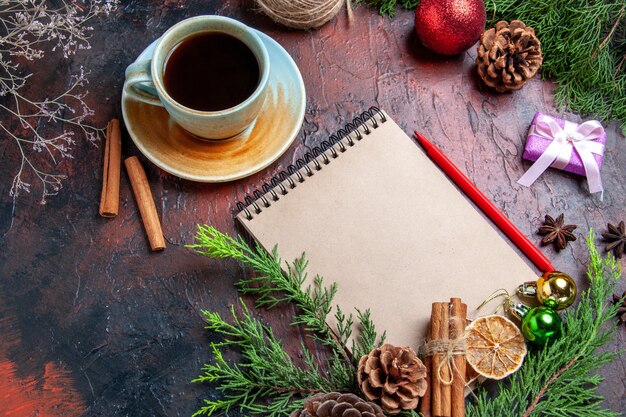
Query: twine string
[[304, 14], [449, 348]]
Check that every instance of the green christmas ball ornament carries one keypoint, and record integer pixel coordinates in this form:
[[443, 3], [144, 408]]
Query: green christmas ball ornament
[[554, 289], [539, 324]]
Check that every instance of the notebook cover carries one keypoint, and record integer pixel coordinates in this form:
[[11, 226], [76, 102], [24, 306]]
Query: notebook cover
[[396, 235]]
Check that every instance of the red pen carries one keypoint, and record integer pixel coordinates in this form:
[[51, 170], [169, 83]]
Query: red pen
[[496, 216]]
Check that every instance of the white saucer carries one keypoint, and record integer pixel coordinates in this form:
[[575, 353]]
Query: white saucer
[[176, 151]]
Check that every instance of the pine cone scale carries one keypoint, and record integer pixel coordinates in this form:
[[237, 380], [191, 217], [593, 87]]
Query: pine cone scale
[[516, 24], [364, 407], [390, 388], [372, 363], [325, 409], [494, 53], [410, 391], [377, 378], [409, 404], [340, 408], [390, 403], [386, 359], [370, 392]]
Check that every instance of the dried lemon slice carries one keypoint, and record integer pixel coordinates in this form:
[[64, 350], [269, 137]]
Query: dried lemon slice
[[495, 346]]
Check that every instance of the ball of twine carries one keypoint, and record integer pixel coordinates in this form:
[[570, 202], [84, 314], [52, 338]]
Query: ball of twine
[[303, 14]]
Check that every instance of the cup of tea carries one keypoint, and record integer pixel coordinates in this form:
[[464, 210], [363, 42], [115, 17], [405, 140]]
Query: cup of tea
[[209, 72]]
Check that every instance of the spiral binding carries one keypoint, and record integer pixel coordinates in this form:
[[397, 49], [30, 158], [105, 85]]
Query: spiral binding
[[318, 156]]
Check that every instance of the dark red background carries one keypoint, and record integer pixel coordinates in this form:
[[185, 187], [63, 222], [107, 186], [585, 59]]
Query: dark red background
[[92, 322]]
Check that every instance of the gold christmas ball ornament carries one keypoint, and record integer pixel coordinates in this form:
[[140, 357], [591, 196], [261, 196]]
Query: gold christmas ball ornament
[[554, 289]]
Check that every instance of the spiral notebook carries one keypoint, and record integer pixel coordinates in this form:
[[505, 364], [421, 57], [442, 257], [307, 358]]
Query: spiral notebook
[[375, 215]]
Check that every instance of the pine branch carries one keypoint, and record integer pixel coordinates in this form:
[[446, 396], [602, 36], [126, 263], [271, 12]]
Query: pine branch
[[543, 389], [558, 380], [267, 371], [272, 285], [388, 7], [368, 337]]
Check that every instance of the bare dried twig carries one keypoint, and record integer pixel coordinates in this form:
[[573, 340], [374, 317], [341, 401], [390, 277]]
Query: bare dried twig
[[25, 27]]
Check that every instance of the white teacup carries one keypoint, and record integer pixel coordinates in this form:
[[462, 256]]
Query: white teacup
[[144, 79]]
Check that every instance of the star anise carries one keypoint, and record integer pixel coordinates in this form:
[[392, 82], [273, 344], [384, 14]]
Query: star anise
[[621, 310], [553, 231], [616, 236]]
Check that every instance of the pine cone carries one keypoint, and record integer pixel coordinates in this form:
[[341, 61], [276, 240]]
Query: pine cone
[[393, 376], [335, 404], [508, 55]]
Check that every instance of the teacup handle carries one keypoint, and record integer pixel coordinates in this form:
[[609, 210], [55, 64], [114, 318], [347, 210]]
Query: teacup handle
[[139, 84]]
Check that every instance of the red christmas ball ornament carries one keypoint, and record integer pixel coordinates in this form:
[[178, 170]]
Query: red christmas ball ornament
[[450, 27]]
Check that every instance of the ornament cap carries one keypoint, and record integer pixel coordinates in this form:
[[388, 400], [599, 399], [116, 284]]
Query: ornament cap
[[519, 310], [528, 289]]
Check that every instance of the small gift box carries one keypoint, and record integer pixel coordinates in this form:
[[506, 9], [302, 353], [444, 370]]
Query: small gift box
[[560, 144]]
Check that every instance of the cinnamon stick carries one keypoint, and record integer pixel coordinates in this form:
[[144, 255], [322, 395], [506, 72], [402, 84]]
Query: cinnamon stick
[[110, 197], [440, 399], [145, 202], [425, 401], [446, 388], [457, 331]]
